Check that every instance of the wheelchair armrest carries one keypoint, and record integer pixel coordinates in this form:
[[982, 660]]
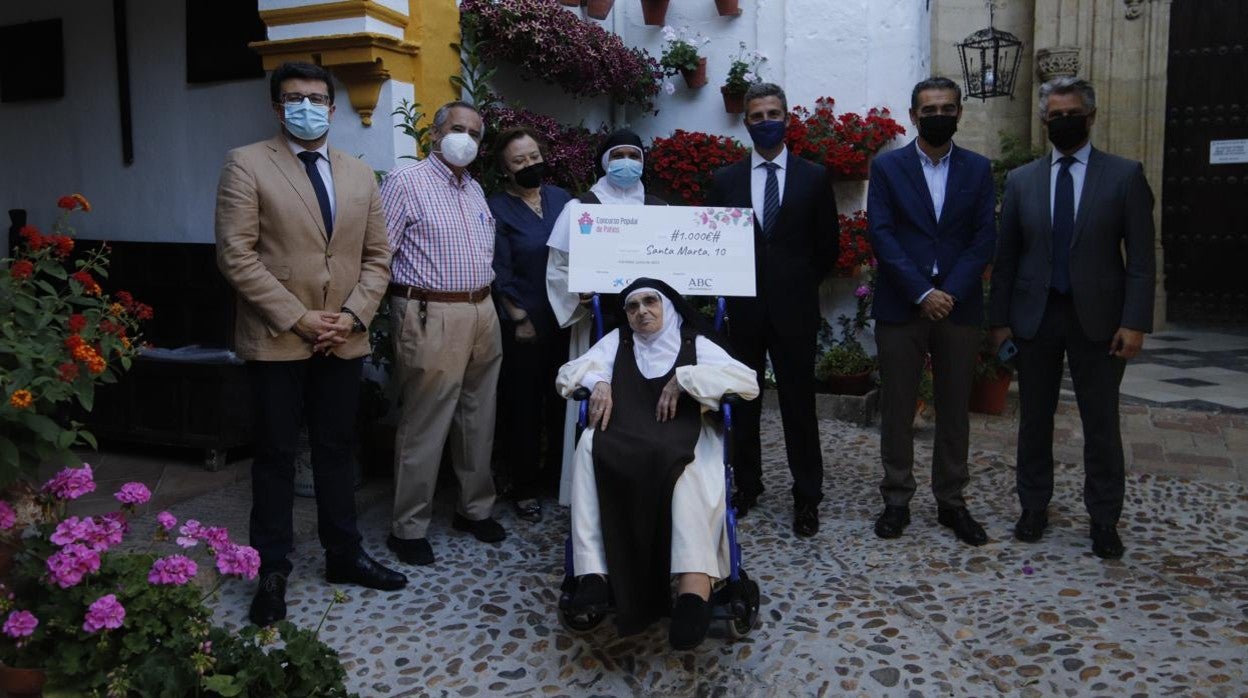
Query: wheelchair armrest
[[580, 394]]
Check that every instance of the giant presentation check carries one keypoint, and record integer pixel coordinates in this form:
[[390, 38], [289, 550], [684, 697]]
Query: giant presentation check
[[697, 250]]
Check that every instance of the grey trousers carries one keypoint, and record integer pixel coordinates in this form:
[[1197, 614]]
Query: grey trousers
[[902, 348]]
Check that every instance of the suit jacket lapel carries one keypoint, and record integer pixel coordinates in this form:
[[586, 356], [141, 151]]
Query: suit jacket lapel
[[292, 169], [1091, 178], [914, 172], [1041, 187], [341, 195]]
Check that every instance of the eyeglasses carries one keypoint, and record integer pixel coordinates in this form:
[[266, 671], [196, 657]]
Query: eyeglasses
[[320, 100]]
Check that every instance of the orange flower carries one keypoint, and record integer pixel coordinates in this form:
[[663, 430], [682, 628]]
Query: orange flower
[[84, 353], [96, 365], [125, 342], [82, 202], [116, 309], [21, 399]]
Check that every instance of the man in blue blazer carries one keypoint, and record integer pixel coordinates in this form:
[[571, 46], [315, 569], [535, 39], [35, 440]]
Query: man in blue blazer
[[1074, 279], [930, 213], [796, 241]]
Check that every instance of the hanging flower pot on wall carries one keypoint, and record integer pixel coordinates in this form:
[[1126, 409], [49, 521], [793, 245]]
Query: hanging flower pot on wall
[[654, 11], [22, 683], [728, 8], [734, 102], [570, 3], [695, 78], [599, 9]]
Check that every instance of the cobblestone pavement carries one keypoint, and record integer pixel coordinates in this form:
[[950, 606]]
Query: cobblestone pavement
[[842, 614]]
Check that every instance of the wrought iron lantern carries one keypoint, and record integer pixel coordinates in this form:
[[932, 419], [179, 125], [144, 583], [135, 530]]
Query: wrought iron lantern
[[990, 59]]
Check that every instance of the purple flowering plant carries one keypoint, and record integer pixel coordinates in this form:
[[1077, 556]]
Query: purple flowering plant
[[101, 613]]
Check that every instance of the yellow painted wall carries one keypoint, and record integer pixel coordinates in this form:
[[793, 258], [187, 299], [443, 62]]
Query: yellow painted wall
[[434, 26]]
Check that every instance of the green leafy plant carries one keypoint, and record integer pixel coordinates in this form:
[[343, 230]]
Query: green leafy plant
[[1015, 152], [60, 336], [844, 355], [744, 70]]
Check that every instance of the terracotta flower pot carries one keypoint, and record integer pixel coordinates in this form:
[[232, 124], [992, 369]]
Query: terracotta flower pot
[[695, 78], [654, 11], [734, 102], [22, 683], [728, 8], [988, 396], [570, 3], [853, 384], [599, 9]]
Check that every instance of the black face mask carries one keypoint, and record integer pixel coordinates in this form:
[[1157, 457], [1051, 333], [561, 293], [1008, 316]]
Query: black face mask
[[531, 177], [938, 129], [1066, 132]]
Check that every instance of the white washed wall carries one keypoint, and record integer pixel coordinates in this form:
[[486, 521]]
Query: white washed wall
[[181, 131]]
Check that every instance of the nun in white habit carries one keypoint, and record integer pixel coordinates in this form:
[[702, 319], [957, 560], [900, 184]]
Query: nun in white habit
[[648, 496], [619, 166]]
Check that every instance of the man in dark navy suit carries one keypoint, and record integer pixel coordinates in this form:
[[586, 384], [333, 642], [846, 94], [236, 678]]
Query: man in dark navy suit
[[930, 212], [795, 245]]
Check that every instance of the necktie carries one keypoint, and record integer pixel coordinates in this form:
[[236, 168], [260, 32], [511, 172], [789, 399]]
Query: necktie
[[322, 195], [771, 198], [1063, 225]]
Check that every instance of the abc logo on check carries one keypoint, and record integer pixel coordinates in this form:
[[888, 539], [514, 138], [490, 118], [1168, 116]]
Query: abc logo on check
[[698, 282]]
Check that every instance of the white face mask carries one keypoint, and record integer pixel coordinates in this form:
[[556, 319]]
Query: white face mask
[[458, 149]]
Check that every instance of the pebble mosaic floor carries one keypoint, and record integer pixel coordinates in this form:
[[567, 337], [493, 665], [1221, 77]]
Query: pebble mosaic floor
[[843, 613]]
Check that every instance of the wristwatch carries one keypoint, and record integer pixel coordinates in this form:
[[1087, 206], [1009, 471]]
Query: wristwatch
[[356, 325]]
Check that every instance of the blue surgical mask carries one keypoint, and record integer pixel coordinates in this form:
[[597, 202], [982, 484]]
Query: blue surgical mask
[[766, 134], [623, 173], [307, 121]]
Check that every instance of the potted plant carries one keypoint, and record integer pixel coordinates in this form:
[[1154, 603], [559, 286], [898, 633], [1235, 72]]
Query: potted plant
[[742, 73], [546, 43], [98, 614], [843, 365], [680, 55], [60, 337], [855, 246], [728, 8], [654, 12], [572, 3], [991, 382], [684, 164], [844, 143]]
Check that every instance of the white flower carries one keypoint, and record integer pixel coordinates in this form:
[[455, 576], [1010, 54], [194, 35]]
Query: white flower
[[749, 77], [760, 55], [669, 34], [668, 87]]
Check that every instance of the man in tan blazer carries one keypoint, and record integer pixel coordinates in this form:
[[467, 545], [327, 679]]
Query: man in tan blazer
[[302, 239]]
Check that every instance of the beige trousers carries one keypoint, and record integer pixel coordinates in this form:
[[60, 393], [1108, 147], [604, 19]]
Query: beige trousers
[[447, 368]]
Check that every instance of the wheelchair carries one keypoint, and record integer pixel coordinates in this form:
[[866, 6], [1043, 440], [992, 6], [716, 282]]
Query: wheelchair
[[734, 601]]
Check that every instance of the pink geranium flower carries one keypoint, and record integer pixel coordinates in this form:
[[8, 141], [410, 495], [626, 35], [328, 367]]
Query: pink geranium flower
[[216, 537], [7, 516], [106, 612], [71, 530], [71, 483], [70, 564], [133, 493], [20, 624], [238, 560], [191, 532], [175, 569], [166, 520]]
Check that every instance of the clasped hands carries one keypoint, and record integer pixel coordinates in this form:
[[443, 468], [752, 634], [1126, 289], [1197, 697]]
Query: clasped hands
[[324, 330], [600, 404], [936, 305]]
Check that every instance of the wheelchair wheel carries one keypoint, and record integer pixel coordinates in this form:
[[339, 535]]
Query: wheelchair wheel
[[580, 623], [744, 609]]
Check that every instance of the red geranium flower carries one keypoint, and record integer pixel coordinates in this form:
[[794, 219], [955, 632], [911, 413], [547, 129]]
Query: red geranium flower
[[21, 269], [68, 203], [68, 371], [77, 322]]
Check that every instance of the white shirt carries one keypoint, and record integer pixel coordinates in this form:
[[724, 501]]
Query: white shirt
[[1078, 172], [322, 166], [758, 180], [937, 176]]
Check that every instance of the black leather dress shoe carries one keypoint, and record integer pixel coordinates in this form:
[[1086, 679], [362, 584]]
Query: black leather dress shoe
[[691, 616], [411, 551], [892, 521], [1031, 525], [362, 570], [742, 502], [963, 524], [592, 594], [805, 519], [486, 530], [269, 604], [1105, 541]]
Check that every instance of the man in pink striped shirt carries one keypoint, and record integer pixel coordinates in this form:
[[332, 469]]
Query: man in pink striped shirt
[[447, 346]]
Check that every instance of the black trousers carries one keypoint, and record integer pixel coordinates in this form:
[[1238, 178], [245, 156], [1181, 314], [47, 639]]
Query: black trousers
[[325, 391], [793, 359], [1096, 375], [902, 347], [531, 412]]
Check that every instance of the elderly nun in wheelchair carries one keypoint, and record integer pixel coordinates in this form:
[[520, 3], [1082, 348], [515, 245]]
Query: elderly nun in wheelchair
[[648, 497]]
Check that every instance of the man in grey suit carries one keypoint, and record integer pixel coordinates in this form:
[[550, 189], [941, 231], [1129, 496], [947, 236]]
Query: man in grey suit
[[1062, 285]]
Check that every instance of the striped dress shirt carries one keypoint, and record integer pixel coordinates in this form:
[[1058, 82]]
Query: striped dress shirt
[[439, 226]]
